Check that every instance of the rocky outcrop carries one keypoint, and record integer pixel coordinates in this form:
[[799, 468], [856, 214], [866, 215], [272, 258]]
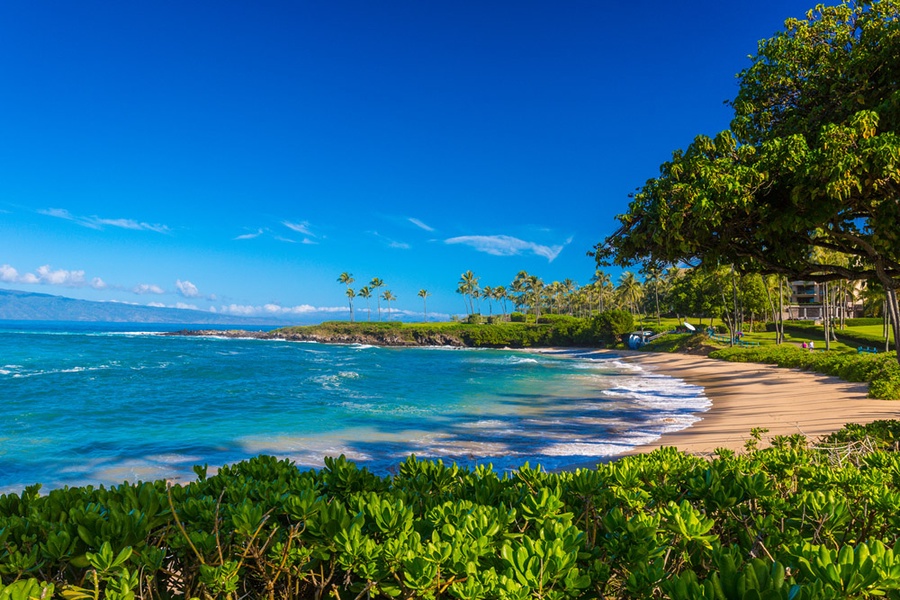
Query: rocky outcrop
[[379, 338]]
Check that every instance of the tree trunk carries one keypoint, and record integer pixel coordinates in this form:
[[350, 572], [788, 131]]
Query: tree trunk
[[656, 294], [780, 335], [734, 304], [729, 322], [772, 308], [825, 318], [894, 313]]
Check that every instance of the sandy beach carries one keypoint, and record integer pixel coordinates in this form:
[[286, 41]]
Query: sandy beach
[[748, 395]]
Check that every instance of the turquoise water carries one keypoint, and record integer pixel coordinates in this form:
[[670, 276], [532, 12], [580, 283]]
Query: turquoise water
[[81, 404]]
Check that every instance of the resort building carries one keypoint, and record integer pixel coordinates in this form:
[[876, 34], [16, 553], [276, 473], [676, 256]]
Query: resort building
[[808, 298]]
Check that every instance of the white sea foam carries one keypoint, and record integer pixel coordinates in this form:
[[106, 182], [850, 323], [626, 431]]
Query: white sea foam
[[59, 371], [592, 449]]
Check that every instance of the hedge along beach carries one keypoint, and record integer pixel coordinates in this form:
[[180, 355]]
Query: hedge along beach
[[749, 395]]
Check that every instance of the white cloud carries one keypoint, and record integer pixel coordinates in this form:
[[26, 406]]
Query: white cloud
[[187, 289], [420, 224], [9, 274], [60, 276], [95, 222], [505, 245], [250, 236], [302, 227], [156, 304], [132, 224], [182, 305], [148, 288], [239, 309], [246, 310], [45, 275]]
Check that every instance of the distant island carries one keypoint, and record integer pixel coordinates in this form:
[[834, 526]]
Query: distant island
[[30, 306]]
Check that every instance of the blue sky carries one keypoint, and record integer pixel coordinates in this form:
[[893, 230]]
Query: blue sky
[[238, 156]]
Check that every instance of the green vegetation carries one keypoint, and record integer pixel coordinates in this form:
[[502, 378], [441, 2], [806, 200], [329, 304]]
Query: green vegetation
[[806, 183], [550, 330], [784, 522]]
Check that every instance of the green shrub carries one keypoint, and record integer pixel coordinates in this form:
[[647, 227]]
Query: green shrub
[[517, 317], [863, 321], [610, 326], [783, 522]]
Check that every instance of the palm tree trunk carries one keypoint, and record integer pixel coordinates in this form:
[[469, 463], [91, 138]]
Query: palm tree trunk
[[780, 309], [894, 313]]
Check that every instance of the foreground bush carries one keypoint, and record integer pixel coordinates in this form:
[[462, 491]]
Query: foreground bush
[[880, 371], [777, 523]]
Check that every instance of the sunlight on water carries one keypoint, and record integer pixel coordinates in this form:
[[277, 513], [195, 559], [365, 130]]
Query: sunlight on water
[[102, 407]]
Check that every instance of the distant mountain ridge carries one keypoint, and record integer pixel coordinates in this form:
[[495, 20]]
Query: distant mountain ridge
[[32, 306]]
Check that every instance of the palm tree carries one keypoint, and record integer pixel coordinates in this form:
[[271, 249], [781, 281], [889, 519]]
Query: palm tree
[[488, 292], [630, 290], [423, 294], [468, 287], [602, 281], [388, 297], [375, 284], [653, 274], [520, 289], [366, 292], [569, 287], [536, 288], [350, 296], [346, 278], [500, 295]]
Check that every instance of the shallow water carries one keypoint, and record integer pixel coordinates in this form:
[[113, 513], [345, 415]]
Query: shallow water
[[84, 406]]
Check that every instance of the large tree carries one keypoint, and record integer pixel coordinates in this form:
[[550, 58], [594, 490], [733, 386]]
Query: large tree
[[812, 161]]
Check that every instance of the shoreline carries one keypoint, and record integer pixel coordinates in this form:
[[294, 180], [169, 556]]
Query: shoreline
[[749, 395], [744, 396]]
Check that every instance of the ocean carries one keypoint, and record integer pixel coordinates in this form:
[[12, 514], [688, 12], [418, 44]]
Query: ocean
[[102, 404]]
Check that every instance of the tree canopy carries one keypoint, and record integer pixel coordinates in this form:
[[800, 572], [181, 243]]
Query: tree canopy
[[812, 161]]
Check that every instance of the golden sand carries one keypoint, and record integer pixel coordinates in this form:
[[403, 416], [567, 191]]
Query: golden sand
[[748, 395]]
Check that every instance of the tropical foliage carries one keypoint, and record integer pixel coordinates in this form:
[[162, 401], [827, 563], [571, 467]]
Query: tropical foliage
[[809, 171], [784, 522]]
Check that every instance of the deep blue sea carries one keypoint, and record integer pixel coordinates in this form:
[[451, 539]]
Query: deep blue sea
[[101, 404]]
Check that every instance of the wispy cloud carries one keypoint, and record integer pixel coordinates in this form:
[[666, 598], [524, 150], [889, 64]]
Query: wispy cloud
[[420, 224], [506, 245], [391, 243], [302, 227], [148, 288], [187, 289], [95, 222], [250, 236], [271, 309]]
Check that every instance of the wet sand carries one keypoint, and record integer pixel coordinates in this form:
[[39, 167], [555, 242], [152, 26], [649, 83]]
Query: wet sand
[[748, 395]]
